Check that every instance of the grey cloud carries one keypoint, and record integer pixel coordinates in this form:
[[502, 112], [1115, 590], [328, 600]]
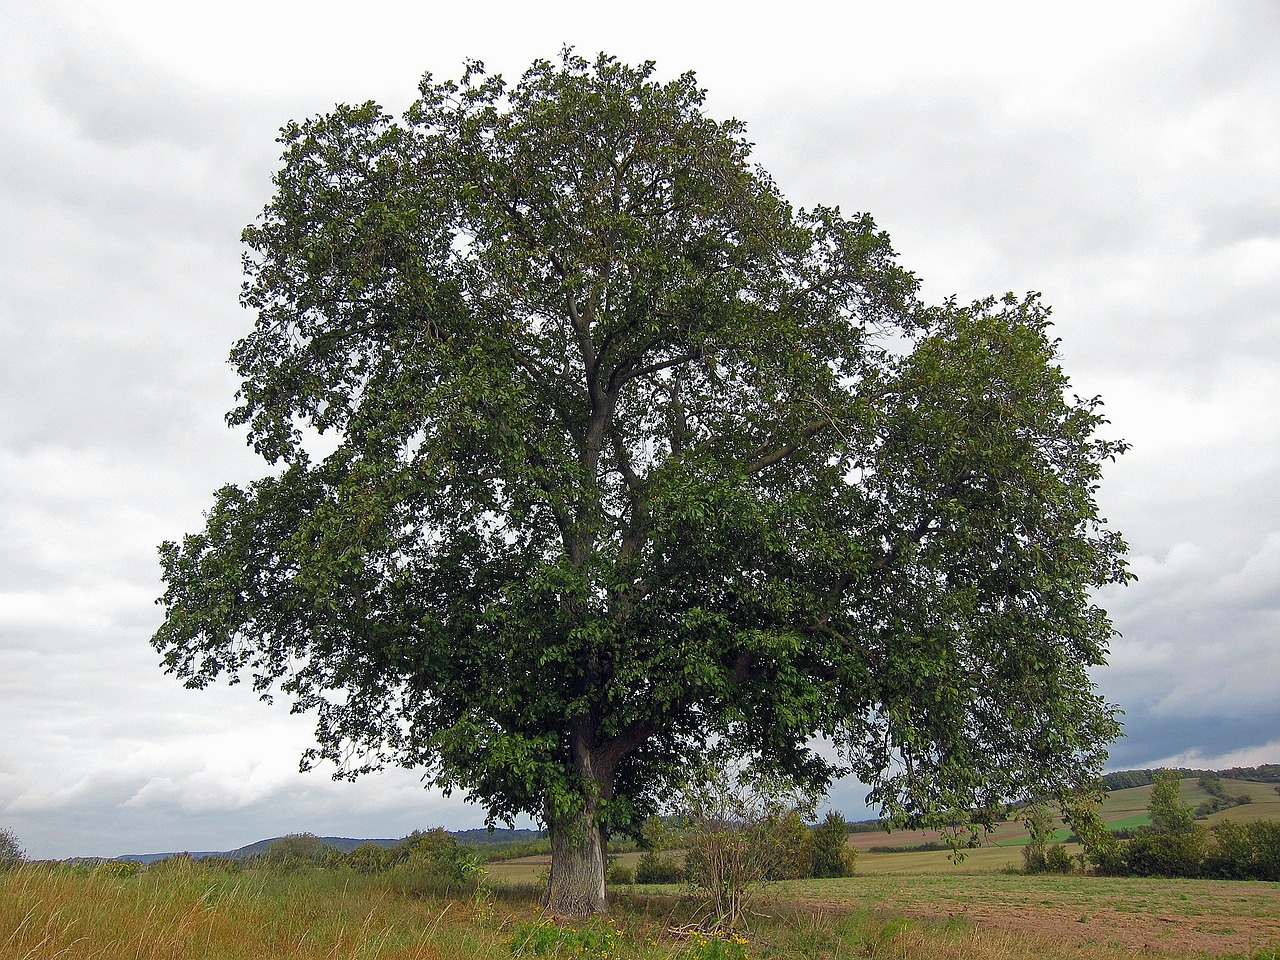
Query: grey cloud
[[1199, 634], [1237, 221], [1139, 197], [120, 100], [1150, 738]]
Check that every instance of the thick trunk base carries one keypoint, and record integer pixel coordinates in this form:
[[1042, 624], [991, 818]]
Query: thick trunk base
[[577, 867]]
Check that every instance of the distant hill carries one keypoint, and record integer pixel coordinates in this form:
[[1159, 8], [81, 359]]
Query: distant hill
[[1124, 779], [476, 836]]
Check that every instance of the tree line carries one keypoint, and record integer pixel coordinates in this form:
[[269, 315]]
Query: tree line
[[1124, 779], [1175, 844]]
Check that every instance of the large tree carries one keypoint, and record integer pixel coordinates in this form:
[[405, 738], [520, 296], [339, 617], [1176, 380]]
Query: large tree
[[593, 454]]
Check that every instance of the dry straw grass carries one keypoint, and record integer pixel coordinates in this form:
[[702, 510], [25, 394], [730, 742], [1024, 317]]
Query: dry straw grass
[[187, 912]]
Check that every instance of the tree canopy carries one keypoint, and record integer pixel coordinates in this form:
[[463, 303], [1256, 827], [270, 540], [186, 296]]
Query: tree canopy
[[591, 454]]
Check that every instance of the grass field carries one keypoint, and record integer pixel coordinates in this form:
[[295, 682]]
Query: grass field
[[1121, 808], [965, 914], [189, 913], [910, 906]]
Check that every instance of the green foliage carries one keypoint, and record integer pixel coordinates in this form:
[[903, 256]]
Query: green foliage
[[625, 457], [655, 868], [1057, 859], [832, 855], [1166, 855], [594, 940], [299, 850], [788, 846], [11, 852], [714, 946], [1169, 815], [1244, 851], [620, 874], [1174, 845], [1039, 822], [742, 828], [447, 864], [370, 858]]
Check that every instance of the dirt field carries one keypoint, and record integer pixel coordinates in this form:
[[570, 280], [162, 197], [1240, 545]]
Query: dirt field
[[1152, 916]]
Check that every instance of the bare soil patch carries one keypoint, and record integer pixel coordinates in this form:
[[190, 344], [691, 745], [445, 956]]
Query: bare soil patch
[[1147, 933], [1143, 915]]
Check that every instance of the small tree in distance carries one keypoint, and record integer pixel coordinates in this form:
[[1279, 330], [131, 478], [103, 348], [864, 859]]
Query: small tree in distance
[[832, 855], [626, 458], [11, 852]]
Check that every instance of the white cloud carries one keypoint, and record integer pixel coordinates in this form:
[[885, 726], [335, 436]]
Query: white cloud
[[1253, 756]]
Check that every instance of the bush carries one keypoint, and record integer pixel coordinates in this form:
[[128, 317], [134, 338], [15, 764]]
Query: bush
[[1168, 855], [11, 852], [653, 868], [832, 855], [786, 846], [1244, 851], [1039, 821], [440, 859], [370, 858], [298, 850], [742, 827], [620, 874], [1231, 853], [1058, 860]]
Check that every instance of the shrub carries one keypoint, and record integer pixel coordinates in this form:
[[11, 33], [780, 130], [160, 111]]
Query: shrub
[[298, 850], [742, 826], [832, 855], [620, 874], [1168, 855], [1231, 853], [1039, 826], [440, 860], [1244, 851], [370, 858], [785, 845], [653, 868], [11, 852], [1058, 860], [1266, 844]]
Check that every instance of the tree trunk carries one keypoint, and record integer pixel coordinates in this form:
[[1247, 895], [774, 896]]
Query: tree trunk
[[577, 865]]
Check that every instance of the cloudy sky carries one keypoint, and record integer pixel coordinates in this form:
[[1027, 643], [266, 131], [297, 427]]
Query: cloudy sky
[[1124, 159]]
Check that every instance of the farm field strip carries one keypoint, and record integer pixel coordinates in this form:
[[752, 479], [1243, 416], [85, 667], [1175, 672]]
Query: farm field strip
[[1211, 916]]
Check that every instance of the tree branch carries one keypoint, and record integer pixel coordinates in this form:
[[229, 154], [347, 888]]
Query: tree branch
[[765, 460]]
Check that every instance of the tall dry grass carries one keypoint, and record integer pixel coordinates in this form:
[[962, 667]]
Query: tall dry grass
[[183, 911], [193, 914]]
